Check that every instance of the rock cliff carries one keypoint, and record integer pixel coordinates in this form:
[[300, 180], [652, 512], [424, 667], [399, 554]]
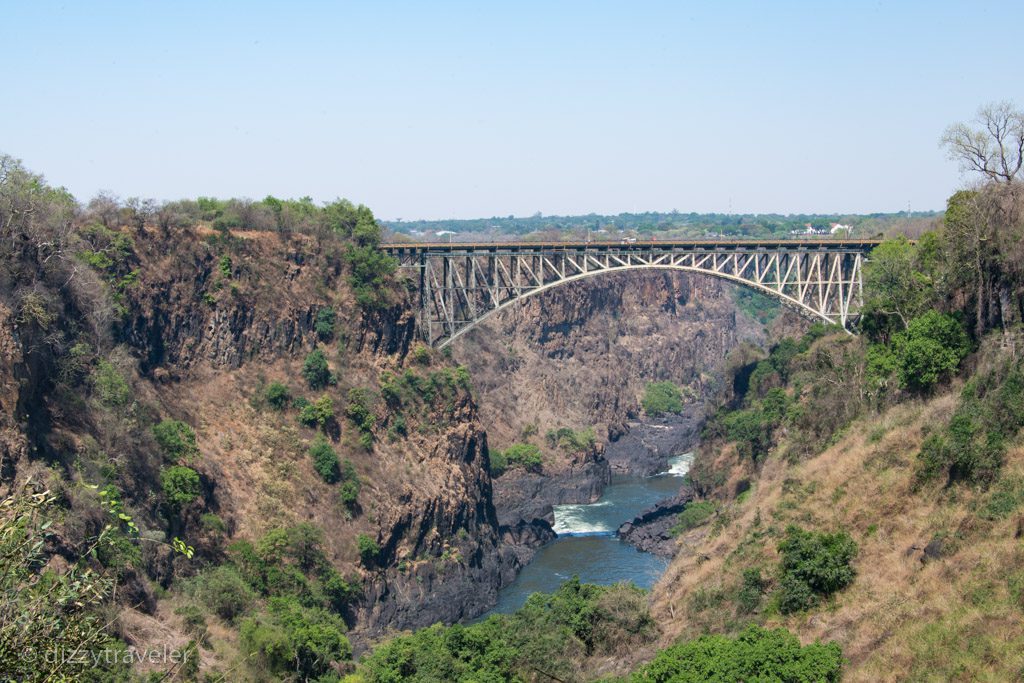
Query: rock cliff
[[580, 355]]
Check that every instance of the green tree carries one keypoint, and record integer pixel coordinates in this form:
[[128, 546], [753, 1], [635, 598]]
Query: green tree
[[756, 654], [176, 439], [930, 350], [319, 413], [814, 564], [44, 613], [180, 485], [894, 286], [369, 549], [325, 460], [324, 326], [661, 398], [278, 395], [315, 370], [291, 639]]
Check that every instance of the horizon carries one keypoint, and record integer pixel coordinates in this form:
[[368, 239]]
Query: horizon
[[460, 112]]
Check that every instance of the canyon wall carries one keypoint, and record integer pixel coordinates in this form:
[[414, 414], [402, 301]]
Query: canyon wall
[[580, 355]]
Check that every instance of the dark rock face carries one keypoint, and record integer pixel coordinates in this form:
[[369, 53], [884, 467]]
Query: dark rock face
[[643, 448], [526, 496], [649, 531]]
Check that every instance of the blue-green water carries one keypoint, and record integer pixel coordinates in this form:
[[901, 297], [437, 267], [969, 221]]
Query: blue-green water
[[587, 546]]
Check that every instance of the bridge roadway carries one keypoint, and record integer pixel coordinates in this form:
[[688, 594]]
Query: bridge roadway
[[462, 283]]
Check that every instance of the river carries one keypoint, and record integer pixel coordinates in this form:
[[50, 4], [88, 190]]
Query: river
[[587, 545]]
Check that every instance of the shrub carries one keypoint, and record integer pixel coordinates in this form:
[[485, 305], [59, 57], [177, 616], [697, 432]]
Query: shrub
[[371, 274], [293, 640], [315, 369], [319, 413], [756, 654], [224, 266], [814, 564], [693, 515], [278, 396], [929, 351], [971, 447], [348, 493], [421, 355], [369, 550], [44, 610], [180, 485], [111, 387], [749, 596], [176, 439], [360, 411], [522, 455], [571, 441], [325, 460], [324, 325], [225, 592], [661, 398]]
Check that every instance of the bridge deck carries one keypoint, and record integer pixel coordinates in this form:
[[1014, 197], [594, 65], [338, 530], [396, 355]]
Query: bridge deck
[[639, 245]]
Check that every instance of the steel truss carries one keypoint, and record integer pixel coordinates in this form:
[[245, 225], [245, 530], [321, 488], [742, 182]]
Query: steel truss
[[461, 285]]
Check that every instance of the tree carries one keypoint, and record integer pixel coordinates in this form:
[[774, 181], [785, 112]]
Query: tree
[[315, 369], [995, 148], [50, 628], [662, 397], [893, 284]]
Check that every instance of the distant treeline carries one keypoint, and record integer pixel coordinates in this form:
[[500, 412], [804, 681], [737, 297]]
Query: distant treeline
[[684, 224]]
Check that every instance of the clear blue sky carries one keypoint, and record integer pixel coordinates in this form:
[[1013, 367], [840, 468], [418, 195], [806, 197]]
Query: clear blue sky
[[431, 110]]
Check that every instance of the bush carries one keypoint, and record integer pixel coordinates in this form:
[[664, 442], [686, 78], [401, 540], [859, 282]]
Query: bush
[[278, 396], [551, 633], [971, 447], [814, 564], [45, 612], [319, 413], [176, 439], [661, 398], [225, 592], [522, 455], [315, 370], [929, 351], [693, 515], [324, 326], [350, 485], [369, 550], [111, 387], [749, 597], [180, 485], [571, 441], [371, 274], [360, 411], [421, 355], [325, 460], [292, 640], [756, 654]]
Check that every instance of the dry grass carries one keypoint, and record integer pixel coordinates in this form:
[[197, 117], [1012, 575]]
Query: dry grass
[[903, 618]]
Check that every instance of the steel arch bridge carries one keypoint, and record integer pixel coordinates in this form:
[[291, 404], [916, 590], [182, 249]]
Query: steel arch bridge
[[461, 284]]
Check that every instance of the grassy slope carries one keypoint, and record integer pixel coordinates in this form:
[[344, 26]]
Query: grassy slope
[[957, 617]]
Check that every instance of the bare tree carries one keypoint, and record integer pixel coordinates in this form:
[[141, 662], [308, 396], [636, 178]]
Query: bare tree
[[995, 148]]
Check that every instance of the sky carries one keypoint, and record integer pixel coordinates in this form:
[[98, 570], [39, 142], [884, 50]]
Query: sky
[[478, 109]]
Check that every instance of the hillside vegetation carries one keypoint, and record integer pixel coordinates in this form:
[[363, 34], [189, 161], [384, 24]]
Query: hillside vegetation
[[193, 394]]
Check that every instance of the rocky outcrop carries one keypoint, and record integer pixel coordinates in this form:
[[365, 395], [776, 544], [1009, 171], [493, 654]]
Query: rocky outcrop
[[526, 496], [439, 557], [649, 531], [643, 448]]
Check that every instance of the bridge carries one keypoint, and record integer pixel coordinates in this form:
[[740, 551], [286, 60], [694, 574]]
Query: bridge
[[462, 283]]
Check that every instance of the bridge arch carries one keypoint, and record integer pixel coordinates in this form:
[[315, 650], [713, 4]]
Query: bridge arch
[[461, 285]]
